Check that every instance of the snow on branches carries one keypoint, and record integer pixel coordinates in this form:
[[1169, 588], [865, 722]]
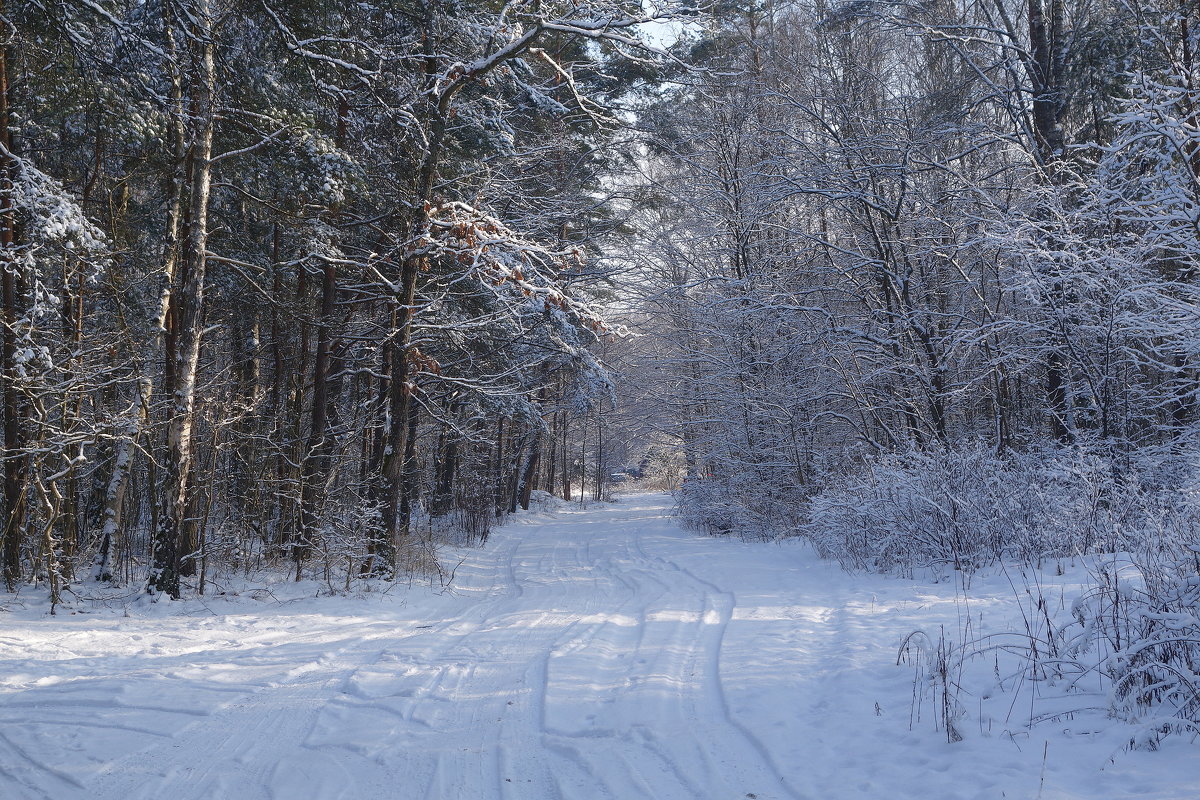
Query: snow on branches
[[49, 215], [498, 256]]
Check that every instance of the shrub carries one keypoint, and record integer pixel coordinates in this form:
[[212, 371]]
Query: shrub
[[970, 508]]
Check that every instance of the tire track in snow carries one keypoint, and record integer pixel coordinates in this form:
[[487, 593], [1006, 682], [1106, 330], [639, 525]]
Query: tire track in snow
[[719, 607], [235, 751], [819, 636], [660, 713], [17, 766], [466, 714], [576, 658]]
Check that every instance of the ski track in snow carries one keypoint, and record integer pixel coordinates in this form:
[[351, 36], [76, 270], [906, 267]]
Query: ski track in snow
[[580, 654]]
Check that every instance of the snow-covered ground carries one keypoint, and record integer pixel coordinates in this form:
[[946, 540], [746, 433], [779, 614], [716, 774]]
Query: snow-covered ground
[[581, 654]]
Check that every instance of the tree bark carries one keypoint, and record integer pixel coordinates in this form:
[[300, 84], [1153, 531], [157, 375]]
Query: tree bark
[[14, 462], [174, 556], [316, 450], [532, 459], [112, 517]]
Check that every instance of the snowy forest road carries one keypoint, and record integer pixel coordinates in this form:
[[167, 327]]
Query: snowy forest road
[[599, 653]]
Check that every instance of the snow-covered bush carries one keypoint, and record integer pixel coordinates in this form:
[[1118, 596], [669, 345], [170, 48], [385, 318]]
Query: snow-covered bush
[[545, 502], [969, 508], [1141, 625], [1130, 641], [739, 505], [1138, 626]]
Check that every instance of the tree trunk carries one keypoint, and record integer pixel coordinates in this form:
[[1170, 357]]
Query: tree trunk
[[114, 497], [566, 459], [316, 451], [169, 562], [498, 473], [529, 473], [551, 454], [1048, 67], [447, 469], [397, 418], [411, 476], [14, 462]]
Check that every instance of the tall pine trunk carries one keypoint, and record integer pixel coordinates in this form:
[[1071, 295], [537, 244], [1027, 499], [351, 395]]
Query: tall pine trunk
[[317, 449], [14, 462]]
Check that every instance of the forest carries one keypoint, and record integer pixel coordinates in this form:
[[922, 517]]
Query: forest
[[313, 288], [283, 280]]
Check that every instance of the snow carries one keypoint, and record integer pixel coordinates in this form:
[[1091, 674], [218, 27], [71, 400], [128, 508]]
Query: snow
[[598, 653]]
